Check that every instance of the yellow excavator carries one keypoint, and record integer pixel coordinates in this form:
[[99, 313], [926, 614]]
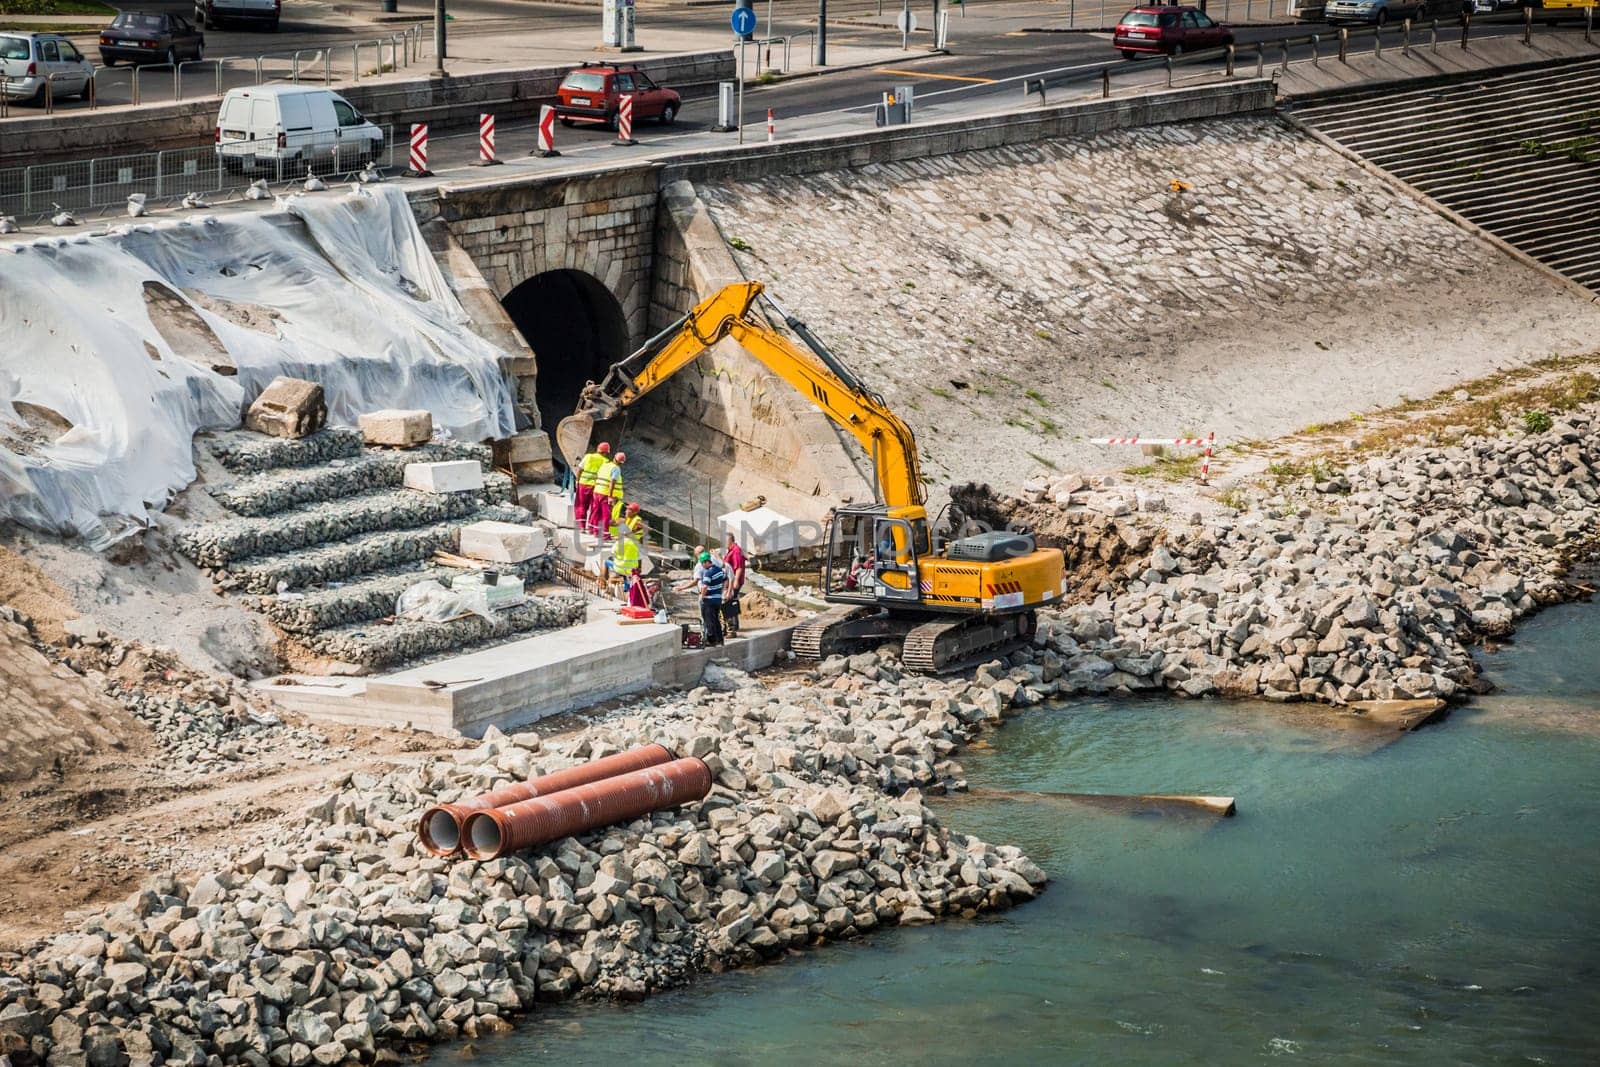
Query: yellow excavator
[[882, 570]]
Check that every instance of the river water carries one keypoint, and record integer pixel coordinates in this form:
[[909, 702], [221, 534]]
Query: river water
[[1431, 900]]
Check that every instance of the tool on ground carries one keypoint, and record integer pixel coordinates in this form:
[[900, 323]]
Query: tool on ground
[[441, 825], [882, 571], [500, 831]]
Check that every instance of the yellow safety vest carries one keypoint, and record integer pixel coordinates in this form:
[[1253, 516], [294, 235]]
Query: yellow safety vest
[[625, 556], [589, 467], [632, 526], [609, 481]]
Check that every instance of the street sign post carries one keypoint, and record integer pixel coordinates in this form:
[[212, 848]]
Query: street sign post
[[907, 23], [743, 21]]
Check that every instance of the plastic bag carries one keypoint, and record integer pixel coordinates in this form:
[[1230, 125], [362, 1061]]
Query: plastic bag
[[431, 602]]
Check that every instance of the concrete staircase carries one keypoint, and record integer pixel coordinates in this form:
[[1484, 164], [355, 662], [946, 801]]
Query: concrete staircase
[[324, 537], [1518, 154]]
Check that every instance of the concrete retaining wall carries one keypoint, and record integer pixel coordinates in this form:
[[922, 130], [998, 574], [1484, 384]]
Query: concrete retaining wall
[[446, 102]]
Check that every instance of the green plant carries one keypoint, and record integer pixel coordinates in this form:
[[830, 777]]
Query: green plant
[[941, 392], [1043, 335], [1537, 421], [1108, 383], [768, 77], [1234, 497], [1037, 397], [908, 285], [739, 244], [1045, 463], [1046, 426]]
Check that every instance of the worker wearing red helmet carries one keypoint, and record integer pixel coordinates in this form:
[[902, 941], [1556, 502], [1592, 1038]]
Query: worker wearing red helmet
[[607, 494], [588, 470]]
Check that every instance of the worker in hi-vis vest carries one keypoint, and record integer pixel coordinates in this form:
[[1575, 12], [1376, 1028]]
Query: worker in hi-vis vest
[[607, 494], [588, 470]]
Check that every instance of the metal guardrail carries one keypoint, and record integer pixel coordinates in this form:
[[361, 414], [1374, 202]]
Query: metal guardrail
[[103, 185], [1256, 53], [385, 54]]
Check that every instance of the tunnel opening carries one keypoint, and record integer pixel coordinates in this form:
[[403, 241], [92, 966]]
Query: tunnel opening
[[576, 329]]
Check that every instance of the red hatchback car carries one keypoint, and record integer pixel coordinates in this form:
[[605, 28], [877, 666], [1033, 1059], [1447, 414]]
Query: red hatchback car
[[1167, 29], [593, 93]]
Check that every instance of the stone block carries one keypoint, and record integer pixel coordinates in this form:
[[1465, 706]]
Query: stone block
[[450, 476], [555, 506], [531, 447], [396, 428], [502, 542], [288, 407]]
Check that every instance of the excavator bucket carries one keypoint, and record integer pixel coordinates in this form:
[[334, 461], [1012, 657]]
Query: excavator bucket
[[572, 437]]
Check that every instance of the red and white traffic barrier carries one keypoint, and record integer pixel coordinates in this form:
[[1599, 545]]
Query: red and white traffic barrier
[[772, 133], [1208, 442], [547, 133], [625, 120], [419, 152], [486, 156]]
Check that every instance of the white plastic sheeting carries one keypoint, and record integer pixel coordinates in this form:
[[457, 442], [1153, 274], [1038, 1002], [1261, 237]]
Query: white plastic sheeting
[[341, 290]]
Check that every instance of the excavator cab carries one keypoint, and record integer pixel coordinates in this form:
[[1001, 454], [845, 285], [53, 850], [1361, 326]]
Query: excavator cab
[[873, 553]]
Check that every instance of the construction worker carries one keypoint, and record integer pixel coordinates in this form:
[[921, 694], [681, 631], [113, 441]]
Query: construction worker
[[733, 564], [624, 561], [588, 469], [607, 494], [628, 523]]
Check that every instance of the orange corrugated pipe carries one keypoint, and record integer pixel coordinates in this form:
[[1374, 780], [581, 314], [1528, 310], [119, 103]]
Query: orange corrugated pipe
[[498, 832], [440, 828]]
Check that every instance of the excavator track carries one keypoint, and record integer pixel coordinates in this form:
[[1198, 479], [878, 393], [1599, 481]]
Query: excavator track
[[948, 645], [846, 629]]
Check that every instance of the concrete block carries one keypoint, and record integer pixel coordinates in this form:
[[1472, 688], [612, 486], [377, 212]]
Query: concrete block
[[761, 531], [451, 476], [396, 428], [288, 407], [502, 542], [557, 507], [527, 454]]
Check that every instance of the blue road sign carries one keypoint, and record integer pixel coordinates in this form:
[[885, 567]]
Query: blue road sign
[[744, 21]]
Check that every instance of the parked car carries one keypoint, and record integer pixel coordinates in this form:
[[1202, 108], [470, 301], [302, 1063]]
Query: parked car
[[1168, 29], [1376, 12], [593, 92], [264, 13], [142, 37], [28, 60], [293, 128]]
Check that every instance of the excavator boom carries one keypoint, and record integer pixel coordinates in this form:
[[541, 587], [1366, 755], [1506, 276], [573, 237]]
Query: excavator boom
[[813, 370]]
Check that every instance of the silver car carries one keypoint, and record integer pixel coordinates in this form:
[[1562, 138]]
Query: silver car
[[28, 61], [1376, 12]]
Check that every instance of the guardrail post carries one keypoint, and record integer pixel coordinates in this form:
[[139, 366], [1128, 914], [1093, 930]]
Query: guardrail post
[[1316, 53], [1261, 60], [294, 69], [1169, 72], [27, 190], [217, 63], [1105, 84], [93, 85], [1285, 63], [1433, 36], [1229, 67], [49, 94], [1588, 24], [1527, 26], [177, 83], [258, 71], [355, 61], [1466, 27], [1377, 42], [1344, 45], [160, 161], [1405, 38], [327, 69], [93, 181]]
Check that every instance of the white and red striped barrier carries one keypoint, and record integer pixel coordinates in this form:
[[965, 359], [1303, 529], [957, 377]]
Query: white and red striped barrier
[[1208, 442], [486, 155], [625, 120], [419, 152], [772, 132], [547, 133]]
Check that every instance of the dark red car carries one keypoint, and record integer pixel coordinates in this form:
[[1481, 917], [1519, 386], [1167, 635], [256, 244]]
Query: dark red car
[[593, 92], [1167, 29]]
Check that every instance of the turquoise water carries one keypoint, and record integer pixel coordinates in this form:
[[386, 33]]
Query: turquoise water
[[1435, 900]]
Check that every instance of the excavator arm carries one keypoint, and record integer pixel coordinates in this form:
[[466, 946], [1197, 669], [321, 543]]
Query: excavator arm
[[814, 371]]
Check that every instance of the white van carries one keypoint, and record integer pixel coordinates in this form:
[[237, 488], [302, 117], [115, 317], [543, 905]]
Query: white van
[[293, 127]]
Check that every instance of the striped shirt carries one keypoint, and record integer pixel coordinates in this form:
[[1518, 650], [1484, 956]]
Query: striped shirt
[[712, 579]]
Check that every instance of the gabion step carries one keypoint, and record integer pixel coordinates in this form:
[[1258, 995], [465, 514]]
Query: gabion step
[[244, 452], [373, 597], [277, 489], [217, 544], [362, 555], [390, 643]]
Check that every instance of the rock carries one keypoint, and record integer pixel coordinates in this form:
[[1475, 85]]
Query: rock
[[288, 407], [446, 476], [502, 542], [396, 428]]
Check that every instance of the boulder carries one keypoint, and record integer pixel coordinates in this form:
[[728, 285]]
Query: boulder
[[396, 427], [288, 407]]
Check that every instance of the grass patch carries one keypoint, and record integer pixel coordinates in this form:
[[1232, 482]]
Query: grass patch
[[1536, 421], [1037, 397], [739, 244], [1234, 497], [56, 7], [1048, 427], [1168, 468], [940, 391], [1045, 463]]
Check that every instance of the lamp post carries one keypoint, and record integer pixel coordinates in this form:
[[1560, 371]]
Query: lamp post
[[438, 40]]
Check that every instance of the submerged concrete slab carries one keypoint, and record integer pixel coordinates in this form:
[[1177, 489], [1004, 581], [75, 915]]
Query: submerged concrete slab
[[505, 686]]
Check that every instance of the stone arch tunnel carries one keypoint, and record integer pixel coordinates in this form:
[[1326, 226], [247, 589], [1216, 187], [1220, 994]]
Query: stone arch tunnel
[[576, 328]]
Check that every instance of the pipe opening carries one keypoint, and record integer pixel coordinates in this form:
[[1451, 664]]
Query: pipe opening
[[441, 831], [483, 835]]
